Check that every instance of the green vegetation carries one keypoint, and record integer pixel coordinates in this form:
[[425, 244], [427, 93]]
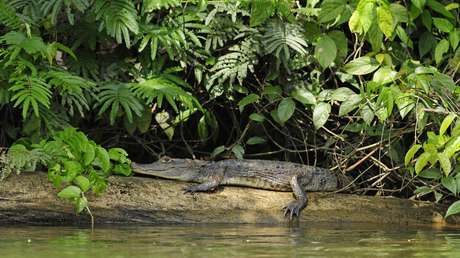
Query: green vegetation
[[352, 85], [72, 160]]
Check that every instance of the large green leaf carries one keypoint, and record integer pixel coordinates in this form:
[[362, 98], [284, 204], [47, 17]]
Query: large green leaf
[[419, 3], [454, 208], [82, 182], [443, 25], [426, 43], [332, 10], [102, 159], [304, 96], [321, 114], [439, 8], [385, 20], [446, 123], [325, 51], [342, 94], [441, 48], [422, 161], [450, 184], [285, 109], [384, 75], [249, 99], [70, 192], [410, 153], [238, 150], [444, 161], [361, 66], [349, 104], [341, 42]]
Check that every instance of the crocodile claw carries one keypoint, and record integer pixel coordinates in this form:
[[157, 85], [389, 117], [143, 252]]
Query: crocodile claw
[[293, 209], [190, 189]]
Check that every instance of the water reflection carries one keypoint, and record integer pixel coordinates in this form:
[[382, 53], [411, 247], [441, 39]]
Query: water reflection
[[229, 241]]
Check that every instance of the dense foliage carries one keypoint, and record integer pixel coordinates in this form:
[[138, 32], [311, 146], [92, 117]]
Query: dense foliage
[[351, 85]]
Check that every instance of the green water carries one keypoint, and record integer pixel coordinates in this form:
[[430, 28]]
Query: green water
[[229, 241]]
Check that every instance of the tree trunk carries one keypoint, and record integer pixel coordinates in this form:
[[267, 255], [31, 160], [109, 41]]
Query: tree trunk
[[30, 199]]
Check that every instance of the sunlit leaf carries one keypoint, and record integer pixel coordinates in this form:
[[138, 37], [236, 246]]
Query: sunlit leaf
[[349, 104], [422, 161], [82, 182], [446, 123], [385, 20], [454, 208], [304, 96], [321, 114], [361, 66], [410, 153], [444, 161], [70, 192]]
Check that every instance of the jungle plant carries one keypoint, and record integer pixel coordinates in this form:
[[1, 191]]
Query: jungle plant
[[438, 161], [75, 164]]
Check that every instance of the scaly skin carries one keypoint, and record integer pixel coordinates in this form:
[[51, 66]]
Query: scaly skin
[[263, 174]]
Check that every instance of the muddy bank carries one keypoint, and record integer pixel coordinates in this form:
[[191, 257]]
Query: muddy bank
[[31, 199]]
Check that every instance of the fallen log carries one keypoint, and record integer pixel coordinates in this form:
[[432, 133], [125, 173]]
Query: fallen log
[[30, 199]]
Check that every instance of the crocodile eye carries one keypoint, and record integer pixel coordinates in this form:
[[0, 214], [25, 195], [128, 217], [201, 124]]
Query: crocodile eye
[[165, 159]]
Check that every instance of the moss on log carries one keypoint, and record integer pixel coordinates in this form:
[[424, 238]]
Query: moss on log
[[31, 199]]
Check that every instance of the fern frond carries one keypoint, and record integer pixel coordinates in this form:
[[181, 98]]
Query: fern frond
[[18, 41], [53, 121], [30, 90], [53, 8], [28, 10], [9, 17], [175, 35], [151, 5], [118, 18], [18, 158], [72, 90], [118, 96], [222, 24], [159, 88], [236, 64], [280, 37]]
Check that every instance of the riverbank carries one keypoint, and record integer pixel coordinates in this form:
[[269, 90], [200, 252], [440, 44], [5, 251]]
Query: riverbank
[[30, 199]]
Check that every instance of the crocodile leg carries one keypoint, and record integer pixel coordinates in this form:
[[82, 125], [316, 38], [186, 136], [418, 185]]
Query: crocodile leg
[[293, 208], [215, 179]]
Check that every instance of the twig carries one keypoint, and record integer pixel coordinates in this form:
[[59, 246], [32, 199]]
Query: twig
[[361, 160], [92, 218]]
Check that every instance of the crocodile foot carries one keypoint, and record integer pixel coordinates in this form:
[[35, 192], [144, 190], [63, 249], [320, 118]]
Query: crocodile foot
[[293, 209], [199, 188], [191, 189]]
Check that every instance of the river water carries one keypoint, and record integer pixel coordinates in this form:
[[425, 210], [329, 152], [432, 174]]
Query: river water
[[229, 241]]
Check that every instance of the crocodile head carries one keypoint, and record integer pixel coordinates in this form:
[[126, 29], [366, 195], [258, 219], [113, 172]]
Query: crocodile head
[[169, 168]]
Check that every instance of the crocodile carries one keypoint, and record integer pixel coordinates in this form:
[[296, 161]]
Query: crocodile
[[262, 174]]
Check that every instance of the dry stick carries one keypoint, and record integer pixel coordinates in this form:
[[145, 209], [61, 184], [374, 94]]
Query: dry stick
[[361, 160], [354, 180], [380, 180]]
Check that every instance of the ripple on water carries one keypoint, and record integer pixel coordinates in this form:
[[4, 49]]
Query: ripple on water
[[229, 241]]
